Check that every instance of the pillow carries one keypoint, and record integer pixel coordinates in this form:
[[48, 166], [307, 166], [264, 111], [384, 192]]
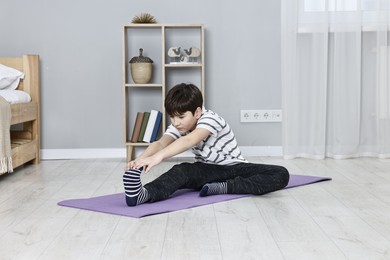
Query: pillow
[[9, 77], [15, 96]]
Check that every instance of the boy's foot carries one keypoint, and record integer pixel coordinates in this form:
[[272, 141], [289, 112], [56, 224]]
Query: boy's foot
[[213, 189], [135, 193]]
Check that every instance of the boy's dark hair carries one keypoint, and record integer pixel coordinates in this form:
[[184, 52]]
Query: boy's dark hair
[[182, 98]]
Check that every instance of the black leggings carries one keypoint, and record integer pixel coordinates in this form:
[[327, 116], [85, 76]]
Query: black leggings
[[243, 178]]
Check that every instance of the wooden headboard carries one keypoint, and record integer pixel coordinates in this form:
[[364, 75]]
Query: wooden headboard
[[29, 65]]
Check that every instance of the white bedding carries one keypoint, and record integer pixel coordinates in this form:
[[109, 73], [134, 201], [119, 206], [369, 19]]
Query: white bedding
[[9, 77], [15, 96], [9, 81]]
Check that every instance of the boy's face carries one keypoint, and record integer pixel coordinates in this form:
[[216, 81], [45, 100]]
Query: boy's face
[[186, 122]]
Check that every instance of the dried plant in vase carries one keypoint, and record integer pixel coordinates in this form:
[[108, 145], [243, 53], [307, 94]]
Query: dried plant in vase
[[144, 18]]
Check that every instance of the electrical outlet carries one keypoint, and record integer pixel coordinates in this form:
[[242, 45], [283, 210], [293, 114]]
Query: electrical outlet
[[255, 116]]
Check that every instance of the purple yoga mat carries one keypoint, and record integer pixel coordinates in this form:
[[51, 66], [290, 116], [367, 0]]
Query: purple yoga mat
[[182, 199]]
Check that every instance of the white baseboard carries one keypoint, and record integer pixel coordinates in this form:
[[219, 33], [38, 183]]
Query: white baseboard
[[61, 154]]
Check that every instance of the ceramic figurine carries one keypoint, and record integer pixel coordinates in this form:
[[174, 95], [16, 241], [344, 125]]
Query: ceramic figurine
[[174, 54], [193, 54]]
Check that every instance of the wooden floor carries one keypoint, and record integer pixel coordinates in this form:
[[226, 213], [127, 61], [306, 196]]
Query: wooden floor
[[346, 218]]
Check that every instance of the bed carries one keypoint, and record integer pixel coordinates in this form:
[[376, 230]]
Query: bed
[[25, 117]]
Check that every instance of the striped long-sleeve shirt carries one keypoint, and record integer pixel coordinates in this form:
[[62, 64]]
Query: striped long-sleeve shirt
[[220, 147]]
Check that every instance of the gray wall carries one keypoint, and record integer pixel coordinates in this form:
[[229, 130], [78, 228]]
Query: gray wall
[[80, 45]]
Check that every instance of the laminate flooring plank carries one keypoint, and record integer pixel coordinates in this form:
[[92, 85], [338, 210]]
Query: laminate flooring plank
[[113, 183], [85, 182], [84, 237], [317, 201], [370, 209], [355, 172], [324, 250], [355, 238], [136, 239], [25, 201], [18, 181], [42, 192], [320, 168], [379, 166], [192, 234], [29, 238], [286, 219], [243, 234], [380, 191]]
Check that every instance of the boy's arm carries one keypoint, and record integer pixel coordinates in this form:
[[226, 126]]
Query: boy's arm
[[178, 146], [153, 148], [157, 146]]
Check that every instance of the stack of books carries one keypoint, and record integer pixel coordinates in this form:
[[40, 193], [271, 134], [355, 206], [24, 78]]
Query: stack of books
[[146, 127]]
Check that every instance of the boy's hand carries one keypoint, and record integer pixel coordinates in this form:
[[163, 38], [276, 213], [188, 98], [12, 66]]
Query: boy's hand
[[147, 162], [130, 165], [152, 149]]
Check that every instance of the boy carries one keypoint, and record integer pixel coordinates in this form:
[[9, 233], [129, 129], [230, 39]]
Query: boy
[[219, 167]]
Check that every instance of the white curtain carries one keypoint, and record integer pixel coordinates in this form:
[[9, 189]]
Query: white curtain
[[335, 78]]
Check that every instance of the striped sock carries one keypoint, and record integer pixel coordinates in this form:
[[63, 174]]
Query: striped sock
[[135, 193], [213, 189]]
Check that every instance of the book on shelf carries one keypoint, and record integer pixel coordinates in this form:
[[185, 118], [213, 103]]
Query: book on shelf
[[137, 127], [150, 126], [143, 126], [156, 127]]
